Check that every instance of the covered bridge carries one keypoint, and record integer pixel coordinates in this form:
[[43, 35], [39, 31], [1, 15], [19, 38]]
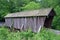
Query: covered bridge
[[33, 19]]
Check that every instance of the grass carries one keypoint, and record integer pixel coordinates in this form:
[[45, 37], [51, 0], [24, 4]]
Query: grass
[[44, 34]]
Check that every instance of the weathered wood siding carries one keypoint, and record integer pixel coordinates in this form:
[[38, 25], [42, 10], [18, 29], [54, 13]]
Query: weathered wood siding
[[8, 22], [34, 23]]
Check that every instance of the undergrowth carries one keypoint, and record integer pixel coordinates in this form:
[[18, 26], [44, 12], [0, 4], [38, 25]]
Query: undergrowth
[[44, 34]]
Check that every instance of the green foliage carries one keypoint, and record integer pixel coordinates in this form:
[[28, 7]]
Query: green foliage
[[3, 33], [31, 6], [4, 7], [15, 5], [2, 14], [56, 21], [45, 34], [49, 3], [14, 36]]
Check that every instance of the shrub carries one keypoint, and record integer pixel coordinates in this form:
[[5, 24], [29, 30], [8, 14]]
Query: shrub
[[56, 21], [3, 33], [31, 6], [44, 34]]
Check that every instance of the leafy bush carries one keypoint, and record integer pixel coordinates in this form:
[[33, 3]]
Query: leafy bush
[[44, 34], [3, 34], [32, 5], [56, 21]]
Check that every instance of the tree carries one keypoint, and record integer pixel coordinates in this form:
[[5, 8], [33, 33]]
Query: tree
[[49, 3], [4, 8], [15, 5], [56, 21], [32, 5]]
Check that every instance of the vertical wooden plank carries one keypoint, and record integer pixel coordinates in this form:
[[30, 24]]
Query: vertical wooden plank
[[25, 23], [42, 20], [37, 23], [18, 25], [40, 23], [22, 23], [28, 26], [28, 23], [15, 22], [34, 24], [8, 22]]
